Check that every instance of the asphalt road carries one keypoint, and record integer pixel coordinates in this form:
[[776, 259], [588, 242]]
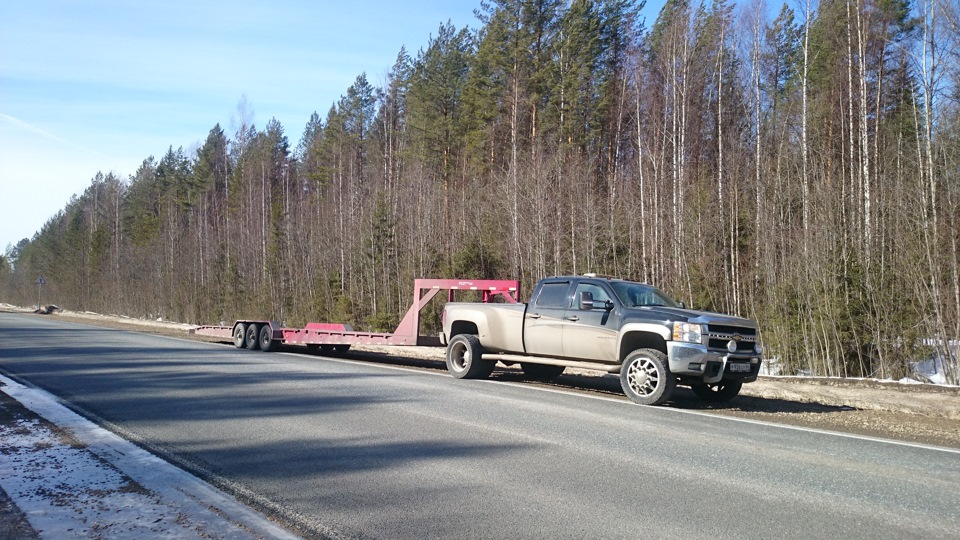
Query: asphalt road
[[352, 449]]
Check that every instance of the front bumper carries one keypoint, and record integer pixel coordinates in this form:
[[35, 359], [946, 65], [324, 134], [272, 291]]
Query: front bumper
[[696, 361]]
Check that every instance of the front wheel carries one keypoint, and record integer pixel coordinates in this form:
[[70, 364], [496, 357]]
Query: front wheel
[[465, 358], [645, 377], [716, 393]]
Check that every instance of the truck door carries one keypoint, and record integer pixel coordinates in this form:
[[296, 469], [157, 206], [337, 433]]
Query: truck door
[[543, 322], [591, 334]]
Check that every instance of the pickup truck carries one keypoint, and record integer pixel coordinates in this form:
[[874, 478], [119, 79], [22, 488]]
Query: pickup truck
[[610, 325]]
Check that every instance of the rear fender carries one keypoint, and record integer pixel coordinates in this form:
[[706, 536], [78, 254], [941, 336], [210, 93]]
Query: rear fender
[[499, 326]]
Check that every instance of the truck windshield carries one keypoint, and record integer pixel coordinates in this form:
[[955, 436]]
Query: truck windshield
[[638, 294]]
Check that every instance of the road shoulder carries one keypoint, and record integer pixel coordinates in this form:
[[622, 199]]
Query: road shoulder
[[66, 477]]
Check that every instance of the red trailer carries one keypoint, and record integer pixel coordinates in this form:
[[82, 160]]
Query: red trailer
[[269, 335]]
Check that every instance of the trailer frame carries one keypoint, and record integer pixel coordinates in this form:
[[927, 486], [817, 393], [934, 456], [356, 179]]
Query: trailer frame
[[268, 335]]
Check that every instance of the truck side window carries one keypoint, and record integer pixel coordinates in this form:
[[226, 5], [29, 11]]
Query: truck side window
[[599, 295], [552, 295]]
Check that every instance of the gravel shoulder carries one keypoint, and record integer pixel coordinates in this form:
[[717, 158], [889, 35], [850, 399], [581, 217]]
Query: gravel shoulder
[[914, 413]]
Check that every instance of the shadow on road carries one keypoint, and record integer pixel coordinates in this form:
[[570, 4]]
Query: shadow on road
[[607, 385]]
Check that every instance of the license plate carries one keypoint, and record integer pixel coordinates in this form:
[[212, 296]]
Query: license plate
[[739, 367]]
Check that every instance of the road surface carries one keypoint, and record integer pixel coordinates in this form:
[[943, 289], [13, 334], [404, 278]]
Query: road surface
[[342, 448]]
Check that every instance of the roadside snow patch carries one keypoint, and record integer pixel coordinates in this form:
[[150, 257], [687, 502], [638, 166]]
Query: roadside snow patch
[[85, 482]]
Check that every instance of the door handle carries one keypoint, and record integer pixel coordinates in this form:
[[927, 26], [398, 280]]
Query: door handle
[[534, 315], [573, 318]]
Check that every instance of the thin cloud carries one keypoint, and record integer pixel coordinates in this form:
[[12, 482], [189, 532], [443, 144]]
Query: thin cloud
[[34, 129]]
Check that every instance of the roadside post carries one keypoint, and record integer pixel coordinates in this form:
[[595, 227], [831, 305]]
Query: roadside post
[[40, 282]]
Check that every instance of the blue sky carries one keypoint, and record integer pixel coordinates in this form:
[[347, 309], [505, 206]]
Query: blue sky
[[99, 85]]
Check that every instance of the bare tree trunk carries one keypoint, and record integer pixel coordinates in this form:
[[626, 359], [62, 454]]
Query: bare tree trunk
[[342, 230], [642, 188], [514, 180], [758, 187], [864, 142], [803, 136], [856, 184], [721, 215]]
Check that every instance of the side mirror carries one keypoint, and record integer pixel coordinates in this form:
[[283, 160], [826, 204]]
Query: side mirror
[[683, 305], [587, 302]]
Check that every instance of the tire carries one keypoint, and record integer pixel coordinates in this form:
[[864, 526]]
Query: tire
[[341, 348], [253, 336], [240, 336], [541, 372], [313, 347], [465, 358], [645, 377], [267, 343], [718, 392]]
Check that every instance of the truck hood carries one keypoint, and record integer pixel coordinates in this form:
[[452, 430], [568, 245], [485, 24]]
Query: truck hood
[[699, 317]]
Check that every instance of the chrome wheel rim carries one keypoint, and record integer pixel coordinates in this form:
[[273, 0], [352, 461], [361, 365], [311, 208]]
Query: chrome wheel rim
[[643, 377]]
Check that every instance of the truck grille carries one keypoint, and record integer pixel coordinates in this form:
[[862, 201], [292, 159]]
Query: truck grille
[[719, 335]]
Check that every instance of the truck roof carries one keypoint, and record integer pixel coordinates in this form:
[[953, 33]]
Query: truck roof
[[597, 276]]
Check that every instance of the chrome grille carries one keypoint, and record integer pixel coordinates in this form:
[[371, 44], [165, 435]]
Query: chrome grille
[[719, 335]]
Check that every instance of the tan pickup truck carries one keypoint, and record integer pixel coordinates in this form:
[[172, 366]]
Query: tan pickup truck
[[610, 325]]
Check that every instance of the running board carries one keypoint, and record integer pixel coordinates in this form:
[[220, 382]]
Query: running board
[[517, 358]]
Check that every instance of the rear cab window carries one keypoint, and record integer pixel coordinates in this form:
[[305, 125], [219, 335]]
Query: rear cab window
[[553, 295]]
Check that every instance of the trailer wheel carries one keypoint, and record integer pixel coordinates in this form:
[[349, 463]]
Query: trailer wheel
[[541, 372], [240, 336], [253, 336], [645, 377], [267, 343], [465, 358], [719, 392], [341, 348]]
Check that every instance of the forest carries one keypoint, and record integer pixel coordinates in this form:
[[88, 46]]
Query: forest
[[796, 164]]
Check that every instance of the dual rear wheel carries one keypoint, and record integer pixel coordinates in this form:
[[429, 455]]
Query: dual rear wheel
[[465, 358]]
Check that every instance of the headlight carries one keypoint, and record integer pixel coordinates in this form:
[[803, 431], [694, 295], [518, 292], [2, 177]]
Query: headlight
[[688, 332], [758, 347]]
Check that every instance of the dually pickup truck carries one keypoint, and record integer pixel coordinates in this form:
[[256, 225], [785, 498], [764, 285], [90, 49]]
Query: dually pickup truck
[[610, 325]]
